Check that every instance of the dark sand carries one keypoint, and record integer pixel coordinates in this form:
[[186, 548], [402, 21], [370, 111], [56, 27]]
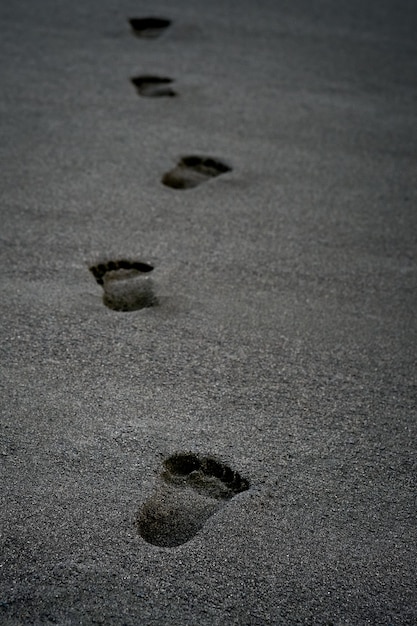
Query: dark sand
[[278, 340]]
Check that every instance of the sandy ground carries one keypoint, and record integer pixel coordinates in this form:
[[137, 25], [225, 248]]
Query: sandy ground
[[228, 437]]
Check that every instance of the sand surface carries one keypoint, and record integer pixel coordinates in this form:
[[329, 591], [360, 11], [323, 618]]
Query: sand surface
[[229, 437]]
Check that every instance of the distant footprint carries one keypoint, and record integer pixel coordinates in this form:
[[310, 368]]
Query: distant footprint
[[126, 284], [153, 86], [191, 490], [148, 27], [191, 171]]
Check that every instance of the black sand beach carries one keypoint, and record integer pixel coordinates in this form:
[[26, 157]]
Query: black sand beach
[[208, 339]]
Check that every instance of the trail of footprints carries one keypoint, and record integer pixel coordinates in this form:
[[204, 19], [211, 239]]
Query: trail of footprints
[[191, 487]]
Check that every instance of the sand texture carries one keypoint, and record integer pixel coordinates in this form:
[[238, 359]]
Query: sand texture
[[208, 312]]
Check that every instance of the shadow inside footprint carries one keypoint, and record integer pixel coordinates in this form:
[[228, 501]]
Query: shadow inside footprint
[[148, 27], [191, 490], [153, 86], [126, 284], [191, 171]]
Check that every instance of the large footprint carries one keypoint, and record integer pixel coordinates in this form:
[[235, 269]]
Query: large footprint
[[153, 86], [126, 284], [192, 488], [148, 27], [191, 171]]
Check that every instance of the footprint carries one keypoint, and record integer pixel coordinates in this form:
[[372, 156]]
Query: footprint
[[148, 27], [153, 86], [126, 284], [192, 489], [191, 171]]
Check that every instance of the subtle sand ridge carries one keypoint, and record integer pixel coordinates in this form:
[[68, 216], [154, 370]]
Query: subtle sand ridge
[[208, 313]]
